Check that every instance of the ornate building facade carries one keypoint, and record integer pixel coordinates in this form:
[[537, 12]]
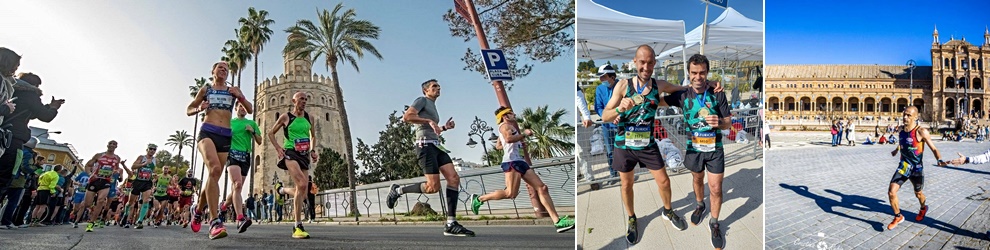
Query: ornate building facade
[[952, 88]]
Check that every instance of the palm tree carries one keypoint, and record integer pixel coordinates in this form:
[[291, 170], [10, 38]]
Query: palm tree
[[193, 90], [550, 137], [236, 54], [179, 139], [253, 36], [339, 35]]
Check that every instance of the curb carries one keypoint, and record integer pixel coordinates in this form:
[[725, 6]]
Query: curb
[[524, 222]]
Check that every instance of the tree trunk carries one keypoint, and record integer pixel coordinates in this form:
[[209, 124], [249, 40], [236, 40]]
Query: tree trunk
[[195, 131], [347, 137], [255, 118]]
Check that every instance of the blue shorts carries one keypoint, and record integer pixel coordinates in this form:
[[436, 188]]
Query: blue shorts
[[78, 198], [518, 166], [112, 193]]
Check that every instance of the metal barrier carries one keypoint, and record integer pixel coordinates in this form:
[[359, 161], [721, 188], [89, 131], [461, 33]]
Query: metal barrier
[[557, 173], [594, 168]]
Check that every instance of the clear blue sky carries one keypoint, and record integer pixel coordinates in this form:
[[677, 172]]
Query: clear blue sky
[[124, 66], [867, 32], [691, 11]]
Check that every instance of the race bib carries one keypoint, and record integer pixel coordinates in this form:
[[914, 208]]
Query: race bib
[[187, 192], [638, 136], [906, 168], [105, 171], [144, 174], [302, 145], [703, 141], [220, 99]]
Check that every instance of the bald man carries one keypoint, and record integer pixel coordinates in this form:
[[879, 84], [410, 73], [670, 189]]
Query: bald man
[[911, 144]]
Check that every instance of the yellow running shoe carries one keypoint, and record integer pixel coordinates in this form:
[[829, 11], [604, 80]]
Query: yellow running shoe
[[300, 233]]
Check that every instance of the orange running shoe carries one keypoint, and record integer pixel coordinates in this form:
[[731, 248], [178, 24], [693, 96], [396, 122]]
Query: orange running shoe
[[897, 220], [921, 214]]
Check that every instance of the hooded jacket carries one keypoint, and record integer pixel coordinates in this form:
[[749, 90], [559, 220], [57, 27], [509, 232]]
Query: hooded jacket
[[29, 107]]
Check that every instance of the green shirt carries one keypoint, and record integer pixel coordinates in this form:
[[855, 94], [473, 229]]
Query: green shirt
[[297, 131], [636, 124], [162, 185], [240, 137], [702, 137], [48, 181]]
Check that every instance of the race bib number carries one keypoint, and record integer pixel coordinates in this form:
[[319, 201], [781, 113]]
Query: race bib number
[[220, 99], [144, 174], [302, 145], [703, 141], [187, 193], [105, 171], [638, 136], [906, 168]]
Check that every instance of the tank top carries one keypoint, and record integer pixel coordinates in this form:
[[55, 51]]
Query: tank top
[[162, 185], [911, 151], [297, 133], [219, 99], [106, 165], [635, 126], [144, 173], [511, 149]]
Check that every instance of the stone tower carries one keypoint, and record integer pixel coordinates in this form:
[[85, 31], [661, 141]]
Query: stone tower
[[275, 99]]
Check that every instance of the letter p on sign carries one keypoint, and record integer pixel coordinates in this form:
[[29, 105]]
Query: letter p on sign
[[497, 66]]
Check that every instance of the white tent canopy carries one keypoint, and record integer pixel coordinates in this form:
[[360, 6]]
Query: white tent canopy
[[731, 36], [604, 33]]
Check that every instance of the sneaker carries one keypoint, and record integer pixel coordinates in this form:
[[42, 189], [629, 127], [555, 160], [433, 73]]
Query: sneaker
[[393, 196], [675, 220], [127, 225], [196, 221], [697, 215], [75, 225], [217, 230], [632, 231], [564, 224], [89, 228], [23, 226], [100, 223], [921, 214], [476, 203], [299, 232], [8, 227], [717, 241], [455, 229], [140, 225], [242, 225], [897, 220]]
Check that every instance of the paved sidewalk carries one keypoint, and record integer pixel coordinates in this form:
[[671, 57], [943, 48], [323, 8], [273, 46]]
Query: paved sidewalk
[[602, 220], [836, 198]]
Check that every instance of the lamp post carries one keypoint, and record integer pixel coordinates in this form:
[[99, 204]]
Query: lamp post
[[49, 132], [910, 64], [965, 86], [479, 128]]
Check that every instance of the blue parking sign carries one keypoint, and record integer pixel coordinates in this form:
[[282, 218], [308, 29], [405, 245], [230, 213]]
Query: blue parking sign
[[496, 64]]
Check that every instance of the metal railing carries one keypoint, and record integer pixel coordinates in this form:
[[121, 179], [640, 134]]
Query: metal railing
[[594, 166]]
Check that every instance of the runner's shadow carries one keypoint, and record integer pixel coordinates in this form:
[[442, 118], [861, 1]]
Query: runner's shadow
[[967, 170], [856, 202], [753, 178], [641, 223]]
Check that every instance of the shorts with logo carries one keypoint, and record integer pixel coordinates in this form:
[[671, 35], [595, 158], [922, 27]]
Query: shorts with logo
[[97, 184], [917, 178], [625, 160], [713, 162], [431, 158], [240, 159]]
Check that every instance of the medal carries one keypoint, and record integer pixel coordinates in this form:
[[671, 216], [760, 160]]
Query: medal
[[637, 99]]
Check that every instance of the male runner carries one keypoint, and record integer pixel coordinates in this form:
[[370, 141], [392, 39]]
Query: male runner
[[160, 193], [188, 185], [101, 167], [296, 152], [81, 181], [243, 130], [912, 139], [144, 169], [515, 168], [706, 114], [47, 186], [433, 157]]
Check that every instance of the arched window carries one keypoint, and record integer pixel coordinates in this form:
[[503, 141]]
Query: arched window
[[946, 62], [277, 115], [328, 116], [51, 158]]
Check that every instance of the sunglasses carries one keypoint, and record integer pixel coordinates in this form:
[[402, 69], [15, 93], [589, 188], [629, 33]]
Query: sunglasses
[[153, 149]]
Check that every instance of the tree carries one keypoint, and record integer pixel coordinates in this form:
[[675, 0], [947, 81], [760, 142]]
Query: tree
[[331, 170], [193, 90], [179, 139], [393, 157], [177, 163], [236, 54], [588, 66], [493, 157], [338, 36], [254, 34], [540, 30], [550, 138]]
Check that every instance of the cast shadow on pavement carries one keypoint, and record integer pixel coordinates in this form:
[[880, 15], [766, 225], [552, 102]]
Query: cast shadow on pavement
[[856, 202]]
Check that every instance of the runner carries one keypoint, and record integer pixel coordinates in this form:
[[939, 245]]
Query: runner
[[243, 130], [144, 169], [217, 100], [188, 185], [433, 158], [296, 153], [515, 168], [47, 186], [706, 114], [101, 167], [162, 182], [81, 181], [125, 190], [912, 139], [173, 201]]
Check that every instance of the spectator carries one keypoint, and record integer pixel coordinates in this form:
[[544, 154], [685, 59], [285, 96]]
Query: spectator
[[249, 204], [47, 186], [311, 197], [602, 95], [22, 171], [29, 98], [9, 62]]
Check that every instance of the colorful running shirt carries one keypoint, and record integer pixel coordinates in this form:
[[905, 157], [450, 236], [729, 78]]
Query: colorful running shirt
[[240, 137], [219, 99], [512, 150], [83, 180], [187, 185], [911, 151], [106, 165], [161, 186], [297, 133], [636, 124], [173, 191], [702, 137], [144, 173]]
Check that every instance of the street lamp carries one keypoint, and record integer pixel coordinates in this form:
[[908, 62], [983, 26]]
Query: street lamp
[[910, 64], [965, 85], [49, 132], [479, 128]]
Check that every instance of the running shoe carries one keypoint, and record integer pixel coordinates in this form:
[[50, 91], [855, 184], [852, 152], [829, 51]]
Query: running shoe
[[476, 203], [217, 230], [127, 225], [89, 228], [921, 214], [140, 225], [897, 220], [697, 215], [564, 224], [632, 231], [455, 229], [196, 221], [299, 232], [8, 227], [717, 240], [675, 220], [100, 223], [393, 196], [75, 225], [243, 224]]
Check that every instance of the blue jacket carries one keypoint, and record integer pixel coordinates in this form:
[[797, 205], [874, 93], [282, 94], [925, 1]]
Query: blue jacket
[[602, 94]]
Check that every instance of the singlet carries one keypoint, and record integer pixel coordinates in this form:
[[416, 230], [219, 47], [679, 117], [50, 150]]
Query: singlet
[[144, 173], [83, 179], [635, 126], [106, 165], [173, 191], [511, 149], [911, 151], [186, 184], [297, 133], [219, 99], [162, 185]]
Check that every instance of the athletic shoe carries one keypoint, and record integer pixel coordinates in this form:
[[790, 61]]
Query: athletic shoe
[[476, 203], [697, 215], [243, 224], [717, 240], [897, 220], [89, 228], [217, 230], [127, 225], [140, 225], [675, 220], [564, 224], [299, 232], [632, 231], [455, 229], [393, 196], [921, 214], [196, 221], [9, 227], [100, 223], [75, 225]]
